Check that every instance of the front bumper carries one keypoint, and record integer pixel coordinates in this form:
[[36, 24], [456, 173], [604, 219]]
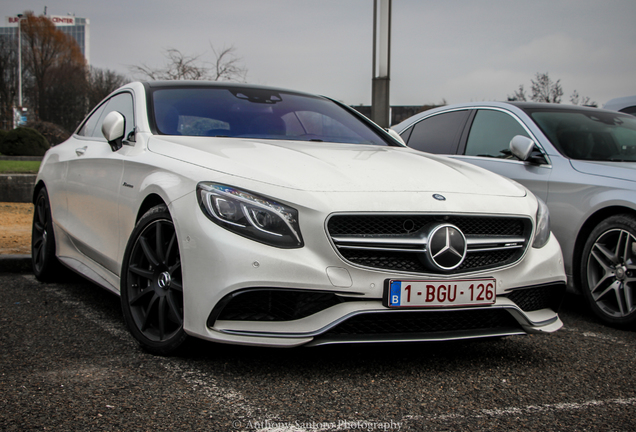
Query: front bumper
[[527, 310], [220, 266]]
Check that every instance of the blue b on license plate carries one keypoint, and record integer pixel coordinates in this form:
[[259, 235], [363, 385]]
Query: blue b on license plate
[[436, 293]]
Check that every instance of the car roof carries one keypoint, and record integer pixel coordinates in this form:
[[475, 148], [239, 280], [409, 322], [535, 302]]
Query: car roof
[[541, 106], [221, 84], [618, 104], [524, 107]]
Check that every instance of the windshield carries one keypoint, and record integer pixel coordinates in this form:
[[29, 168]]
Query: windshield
[[590, 135], [256, 113]]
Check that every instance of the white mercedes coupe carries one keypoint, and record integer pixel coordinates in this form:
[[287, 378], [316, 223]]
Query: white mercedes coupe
[[261, 216]]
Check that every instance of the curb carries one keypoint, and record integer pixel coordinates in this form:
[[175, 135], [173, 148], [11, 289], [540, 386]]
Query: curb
[[15, 264], [22, 158], [17, 187]]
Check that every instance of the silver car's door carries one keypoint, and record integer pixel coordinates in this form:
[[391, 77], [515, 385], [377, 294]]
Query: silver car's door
[[487, 146], [93, 186]]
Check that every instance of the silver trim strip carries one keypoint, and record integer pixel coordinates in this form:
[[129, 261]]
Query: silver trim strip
[[439, 337], [397, 243], [515, 311]]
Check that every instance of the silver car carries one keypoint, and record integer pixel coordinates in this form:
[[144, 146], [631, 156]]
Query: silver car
[[580, 161], [625, 104]]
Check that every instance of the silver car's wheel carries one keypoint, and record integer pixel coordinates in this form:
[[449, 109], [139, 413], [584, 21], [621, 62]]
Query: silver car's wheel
[[608, 273], [151, 285]]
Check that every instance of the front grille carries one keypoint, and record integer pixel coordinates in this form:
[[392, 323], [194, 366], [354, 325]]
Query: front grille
[[275, 305], [405, 224], [540, 297], [396, 242], [422, 322]]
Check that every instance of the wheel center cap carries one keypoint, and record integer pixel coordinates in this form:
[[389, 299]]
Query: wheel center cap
[[620, 273], [164, 280]]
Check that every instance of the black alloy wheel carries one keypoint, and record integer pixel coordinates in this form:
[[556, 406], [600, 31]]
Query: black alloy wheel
[[608, 270], [151, 284], [46, 267]]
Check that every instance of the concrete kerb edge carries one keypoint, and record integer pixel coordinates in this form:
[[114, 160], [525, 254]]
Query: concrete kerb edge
[[15, 263], [17, 187]]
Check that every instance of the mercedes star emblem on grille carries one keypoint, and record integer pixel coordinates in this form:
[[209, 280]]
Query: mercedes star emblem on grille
[[446, 248]]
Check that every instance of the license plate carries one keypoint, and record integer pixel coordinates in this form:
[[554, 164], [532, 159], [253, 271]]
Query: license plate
[[444, 293]]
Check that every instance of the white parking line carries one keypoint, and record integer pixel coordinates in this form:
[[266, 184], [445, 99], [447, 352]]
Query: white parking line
[[530, 409], [198, 379], [112, 327], [201, 382], [593, 335]]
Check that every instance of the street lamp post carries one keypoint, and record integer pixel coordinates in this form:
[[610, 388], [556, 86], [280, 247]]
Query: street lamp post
[[20, 60], [380, 106]]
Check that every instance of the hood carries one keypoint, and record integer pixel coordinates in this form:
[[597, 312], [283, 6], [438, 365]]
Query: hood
[[615, 170], [329, 167]]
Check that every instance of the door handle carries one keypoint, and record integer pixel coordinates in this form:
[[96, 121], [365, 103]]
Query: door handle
[[80, 151]]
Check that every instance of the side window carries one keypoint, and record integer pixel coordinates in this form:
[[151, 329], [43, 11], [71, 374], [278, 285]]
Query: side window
[[89, 126], [123, 103], [629, 110], [439, 133], [491, 132]]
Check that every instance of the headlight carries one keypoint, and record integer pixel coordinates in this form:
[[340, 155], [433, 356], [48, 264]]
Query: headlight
[[249, 215], [543, 225]]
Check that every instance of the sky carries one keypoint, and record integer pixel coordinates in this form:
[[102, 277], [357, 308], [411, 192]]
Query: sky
[[441, 51]]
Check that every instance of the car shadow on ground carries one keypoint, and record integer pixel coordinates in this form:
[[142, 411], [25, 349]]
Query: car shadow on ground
[[525, 349]]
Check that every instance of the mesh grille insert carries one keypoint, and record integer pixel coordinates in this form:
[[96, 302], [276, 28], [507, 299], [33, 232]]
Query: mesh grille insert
[[276, 305], [535, 298]]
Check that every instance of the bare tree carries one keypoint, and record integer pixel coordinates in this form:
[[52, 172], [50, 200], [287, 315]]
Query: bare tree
[[53, 66], [225, 67], [576, 99], [545, 90], [64, 101], [102, 82], [519, 95], [178, 67], [8, 80]]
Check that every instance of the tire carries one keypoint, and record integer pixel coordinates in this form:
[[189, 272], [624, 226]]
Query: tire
[[608, 270], [46, 266], [151, 284]]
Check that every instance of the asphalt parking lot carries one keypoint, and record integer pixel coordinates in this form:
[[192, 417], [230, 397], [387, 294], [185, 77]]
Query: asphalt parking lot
[[68, 363]]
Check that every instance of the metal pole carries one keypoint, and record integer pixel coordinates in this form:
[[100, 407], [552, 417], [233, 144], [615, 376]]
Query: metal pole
[[380, 106], [20, 60]]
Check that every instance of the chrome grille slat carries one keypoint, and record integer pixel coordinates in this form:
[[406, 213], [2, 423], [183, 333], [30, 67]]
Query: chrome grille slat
[[418, 245]]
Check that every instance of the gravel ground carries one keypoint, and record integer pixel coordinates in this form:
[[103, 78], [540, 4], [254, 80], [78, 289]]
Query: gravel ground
[[68, 363], [15, 228]]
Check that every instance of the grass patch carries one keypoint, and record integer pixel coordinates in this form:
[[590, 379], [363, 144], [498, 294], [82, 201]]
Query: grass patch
[[19, 167]]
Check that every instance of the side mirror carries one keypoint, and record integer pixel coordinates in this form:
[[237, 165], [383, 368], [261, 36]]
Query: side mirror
[[113, 128], [395, 135], [521, 147]]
